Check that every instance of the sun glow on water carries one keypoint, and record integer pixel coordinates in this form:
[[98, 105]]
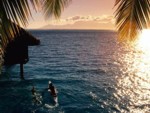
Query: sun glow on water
[[144, 41], [134, 81]]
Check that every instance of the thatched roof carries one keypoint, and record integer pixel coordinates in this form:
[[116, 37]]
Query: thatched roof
[[16, 51], [24, 38]]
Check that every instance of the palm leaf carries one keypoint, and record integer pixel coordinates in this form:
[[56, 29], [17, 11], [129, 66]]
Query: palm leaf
[[16, 11], [54, 7], [131, 17]]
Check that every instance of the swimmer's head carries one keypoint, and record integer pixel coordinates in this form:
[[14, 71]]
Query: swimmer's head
[[49, 82]]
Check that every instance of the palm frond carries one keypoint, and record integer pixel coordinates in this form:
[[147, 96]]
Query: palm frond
[[54, 7], [36, 4], [17, 11], [131, 17]]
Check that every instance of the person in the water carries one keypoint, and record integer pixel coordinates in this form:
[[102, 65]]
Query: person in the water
[[36, 97], [33, 91], [52, 90]]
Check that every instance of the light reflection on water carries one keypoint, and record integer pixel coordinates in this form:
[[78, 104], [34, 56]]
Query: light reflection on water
[[133, 83], [91, 72]]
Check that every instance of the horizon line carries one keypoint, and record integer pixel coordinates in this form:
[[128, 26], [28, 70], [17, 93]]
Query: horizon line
[[71, 29]]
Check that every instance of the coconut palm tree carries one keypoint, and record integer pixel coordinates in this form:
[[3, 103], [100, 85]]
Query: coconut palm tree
[[131, 17]]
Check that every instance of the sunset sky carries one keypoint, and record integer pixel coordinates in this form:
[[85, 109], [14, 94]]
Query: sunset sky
[[80, 14]]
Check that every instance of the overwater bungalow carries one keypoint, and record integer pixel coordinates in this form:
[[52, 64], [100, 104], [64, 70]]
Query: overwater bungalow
[[16, 51]]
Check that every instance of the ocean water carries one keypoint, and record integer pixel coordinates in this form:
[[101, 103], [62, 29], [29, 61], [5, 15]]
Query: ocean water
[[92, 72]]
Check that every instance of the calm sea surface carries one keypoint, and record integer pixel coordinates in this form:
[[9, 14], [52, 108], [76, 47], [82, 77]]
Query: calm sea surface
[[91, 71]]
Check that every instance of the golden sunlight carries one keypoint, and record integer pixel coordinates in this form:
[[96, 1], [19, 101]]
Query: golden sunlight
[[134, 80], [144, 41]]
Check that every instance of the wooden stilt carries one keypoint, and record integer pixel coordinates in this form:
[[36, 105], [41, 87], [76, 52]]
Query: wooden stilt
[[21, 71]]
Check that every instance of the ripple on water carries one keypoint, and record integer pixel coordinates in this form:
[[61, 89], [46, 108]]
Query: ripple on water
[[92, 73]]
